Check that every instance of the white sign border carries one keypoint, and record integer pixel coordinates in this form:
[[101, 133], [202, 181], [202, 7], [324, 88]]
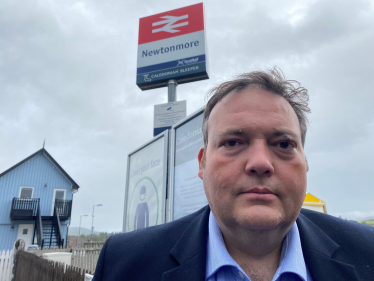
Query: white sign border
[[170, 213], [164, 135]]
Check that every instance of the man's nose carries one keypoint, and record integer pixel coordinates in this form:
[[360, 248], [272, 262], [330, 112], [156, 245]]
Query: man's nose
[[259, 160]]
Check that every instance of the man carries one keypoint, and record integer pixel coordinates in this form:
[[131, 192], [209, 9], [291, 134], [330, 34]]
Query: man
[[254, 170]]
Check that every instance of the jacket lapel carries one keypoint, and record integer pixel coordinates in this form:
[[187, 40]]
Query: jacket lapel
[[318, 250], [190, 251]]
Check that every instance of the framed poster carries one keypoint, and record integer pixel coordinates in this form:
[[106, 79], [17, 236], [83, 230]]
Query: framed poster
[[185, 187], [146, 178]]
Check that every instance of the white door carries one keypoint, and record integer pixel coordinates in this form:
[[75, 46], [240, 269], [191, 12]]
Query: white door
[[25, 232], [59, 194]]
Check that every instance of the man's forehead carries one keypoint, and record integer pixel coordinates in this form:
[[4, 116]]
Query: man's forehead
[[255, 102]]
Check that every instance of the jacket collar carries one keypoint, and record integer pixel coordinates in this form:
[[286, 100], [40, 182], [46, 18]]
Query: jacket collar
[[190, 250], [318, 250]]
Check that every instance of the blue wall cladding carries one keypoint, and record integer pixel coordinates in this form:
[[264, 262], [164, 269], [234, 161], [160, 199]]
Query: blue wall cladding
[[36, 172], [8, 236]]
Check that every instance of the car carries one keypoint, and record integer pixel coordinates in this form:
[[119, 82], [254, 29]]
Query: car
[[33, 247]]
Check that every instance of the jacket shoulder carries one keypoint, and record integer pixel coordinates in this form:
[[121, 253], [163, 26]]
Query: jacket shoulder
[[141, 254], [334, 226]]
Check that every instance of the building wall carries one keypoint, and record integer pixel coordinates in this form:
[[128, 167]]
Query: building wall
[[314, 208], [36, 172], [7, 236]]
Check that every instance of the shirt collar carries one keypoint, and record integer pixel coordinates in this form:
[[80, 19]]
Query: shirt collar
[[292, 259]]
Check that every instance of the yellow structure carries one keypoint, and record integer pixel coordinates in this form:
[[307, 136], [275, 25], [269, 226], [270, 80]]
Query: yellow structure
[[313, 203]]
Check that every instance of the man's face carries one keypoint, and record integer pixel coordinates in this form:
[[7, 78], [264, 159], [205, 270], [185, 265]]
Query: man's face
[[142, 197], [254, 168]]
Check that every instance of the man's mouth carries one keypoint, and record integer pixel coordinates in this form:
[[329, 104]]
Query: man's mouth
[[259, 190], [261, 193]]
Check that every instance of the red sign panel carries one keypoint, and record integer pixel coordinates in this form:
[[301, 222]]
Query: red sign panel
[[171, 24]]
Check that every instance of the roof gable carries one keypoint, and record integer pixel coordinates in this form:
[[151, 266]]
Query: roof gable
[[311, 198], [50, 158]]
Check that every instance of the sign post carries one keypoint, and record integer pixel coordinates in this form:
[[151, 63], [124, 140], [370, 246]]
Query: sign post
[[172, 90]]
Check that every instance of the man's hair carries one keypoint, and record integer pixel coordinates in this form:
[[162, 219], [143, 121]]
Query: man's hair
[[273, 81]]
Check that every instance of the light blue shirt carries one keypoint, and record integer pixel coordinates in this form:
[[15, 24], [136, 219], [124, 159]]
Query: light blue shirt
[[220, 266]]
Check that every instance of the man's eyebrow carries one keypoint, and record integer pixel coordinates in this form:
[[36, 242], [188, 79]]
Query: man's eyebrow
[[284, 132], [235, 132]]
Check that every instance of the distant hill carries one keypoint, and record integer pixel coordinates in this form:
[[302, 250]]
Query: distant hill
[[74, 230], [368, 218]]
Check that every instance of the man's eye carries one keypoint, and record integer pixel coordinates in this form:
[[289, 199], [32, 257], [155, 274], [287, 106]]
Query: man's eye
[[285, 144], [231, 143]]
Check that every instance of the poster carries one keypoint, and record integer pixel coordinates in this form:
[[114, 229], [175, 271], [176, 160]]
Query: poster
[[146, 186], [189, 195]]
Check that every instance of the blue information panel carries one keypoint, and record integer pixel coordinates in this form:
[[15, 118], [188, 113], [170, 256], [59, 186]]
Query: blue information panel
[[188, 190]]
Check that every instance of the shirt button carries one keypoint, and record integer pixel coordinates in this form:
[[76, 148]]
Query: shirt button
[[241, 274]]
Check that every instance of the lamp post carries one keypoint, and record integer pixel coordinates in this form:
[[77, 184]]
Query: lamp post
[[93, 214], [80, 222]]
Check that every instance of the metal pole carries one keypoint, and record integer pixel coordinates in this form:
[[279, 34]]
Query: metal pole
[[172, 90], [80, 223], [93, 212]]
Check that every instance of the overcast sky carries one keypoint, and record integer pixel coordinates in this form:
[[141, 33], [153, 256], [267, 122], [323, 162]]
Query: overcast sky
[[67, 74]]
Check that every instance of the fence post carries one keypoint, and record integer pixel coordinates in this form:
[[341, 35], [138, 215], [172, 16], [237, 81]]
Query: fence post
[[19, 246]]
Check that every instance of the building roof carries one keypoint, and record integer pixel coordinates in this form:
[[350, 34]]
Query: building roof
[[45, 152], [311, 198]]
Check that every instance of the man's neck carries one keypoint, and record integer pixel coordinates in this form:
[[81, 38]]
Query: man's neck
[[257, 253]]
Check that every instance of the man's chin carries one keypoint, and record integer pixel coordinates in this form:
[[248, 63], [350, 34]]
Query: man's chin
[[263, 219]]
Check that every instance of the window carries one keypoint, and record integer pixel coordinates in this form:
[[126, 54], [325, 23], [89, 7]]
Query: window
[[60, 195], [26, 192], [24, 231]]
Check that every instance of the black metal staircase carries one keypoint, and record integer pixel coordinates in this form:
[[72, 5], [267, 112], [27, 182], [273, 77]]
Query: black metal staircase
[[47, 228], [52, 230]]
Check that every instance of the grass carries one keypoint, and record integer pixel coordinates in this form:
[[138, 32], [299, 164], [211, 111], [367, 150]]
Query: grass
[[368, 222]]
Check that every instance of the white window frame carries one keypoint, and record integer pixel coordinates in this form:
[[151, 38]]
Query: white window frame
[[32, 193], [54, 195]]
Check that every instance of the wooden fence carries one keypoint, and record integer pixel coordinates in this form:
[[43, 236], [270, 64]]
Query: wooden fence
[[86, 259], [82, 258], [6, 265], [33, 268]]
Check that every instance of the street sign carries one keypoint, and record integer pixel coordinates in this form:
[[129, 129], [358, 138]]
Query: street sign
[[167, 114], [172, 45]]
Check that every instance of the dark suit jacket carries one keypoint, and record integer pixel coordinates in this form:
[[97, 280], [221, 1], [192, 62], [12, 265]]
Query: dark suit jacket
[[333, 249]]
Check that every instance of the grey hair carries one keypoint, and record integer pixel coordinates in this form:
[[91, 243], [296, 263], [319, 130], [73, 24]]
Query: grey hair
[[273, 81]]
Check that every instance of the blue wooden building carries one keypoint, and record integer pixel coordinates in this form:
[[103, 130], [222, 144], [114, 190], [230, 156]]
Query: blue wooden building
[[36, 198]]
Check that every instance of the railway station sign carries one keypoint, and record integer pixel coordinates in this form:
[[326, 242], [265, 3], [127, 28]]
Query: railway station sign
[[172, 45]]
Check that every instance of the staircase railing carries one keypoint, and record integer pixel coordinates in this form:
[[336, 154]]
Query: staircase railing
[[63, 207], [39, 228], [56, 217], [24, 208]]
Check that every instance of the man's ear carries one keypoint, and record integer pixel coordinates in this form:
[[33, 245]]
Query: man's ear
[[307, 165], [201, 159]]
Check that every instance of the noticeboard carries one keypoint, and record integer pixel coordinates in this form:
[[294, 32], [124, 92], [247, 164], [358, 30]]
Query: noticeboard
[[185, 187], [168, 114], [146, 177], [172, 45]]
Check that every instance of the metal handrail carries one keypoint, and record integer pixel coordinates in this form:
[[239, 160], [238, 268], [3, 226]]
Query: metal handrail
[[57, 217], [39, 229], [63, 207], [24, 207]]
